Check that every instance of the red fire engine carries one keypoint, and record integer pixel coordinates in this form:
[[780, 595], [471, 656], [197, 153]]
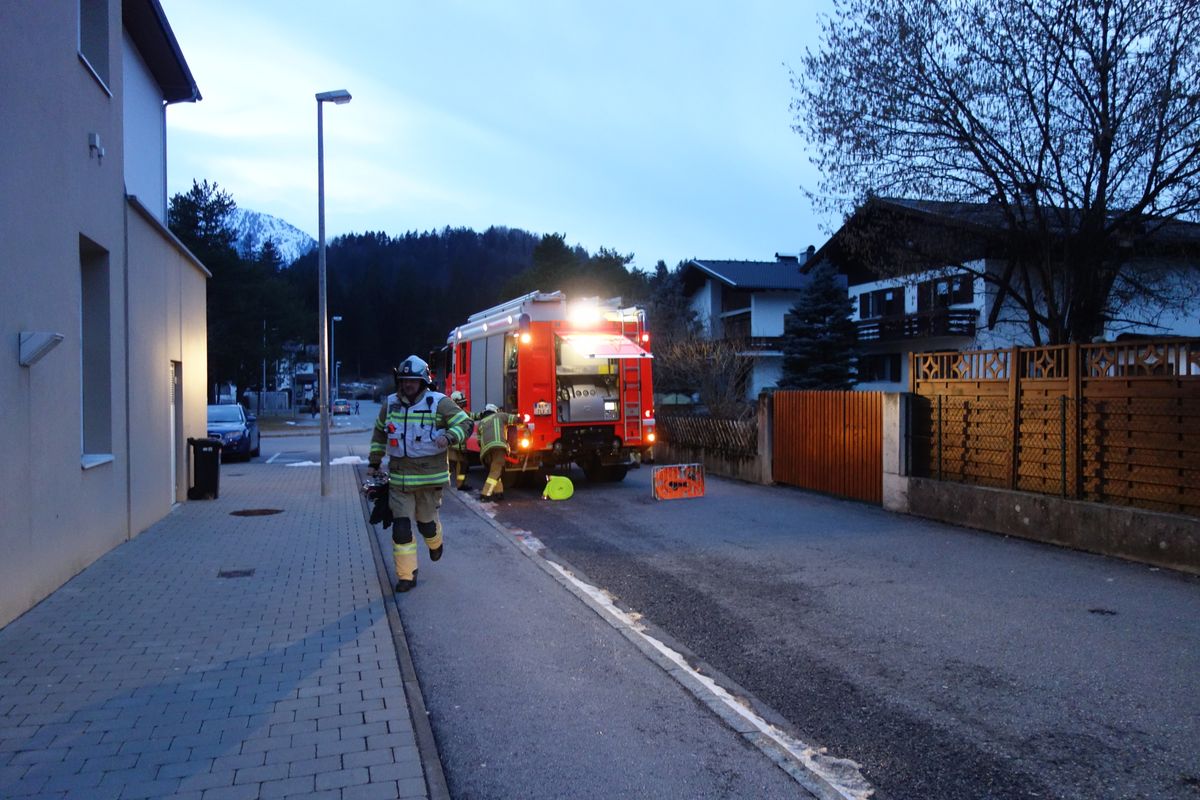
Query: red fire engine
[[577, 375]]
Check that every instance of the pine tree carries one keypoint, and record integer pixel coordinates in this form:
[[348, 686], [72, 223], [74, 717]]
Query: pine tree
[[818, 336]]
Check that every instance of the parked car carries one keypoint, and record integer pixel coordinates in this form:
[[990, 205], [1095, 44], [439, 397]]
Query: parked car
[[341, 406], [237, 430]]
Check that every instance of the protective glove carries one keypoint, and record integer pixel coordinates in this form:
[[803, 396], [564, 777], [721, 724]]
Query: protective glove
[[441, 440]]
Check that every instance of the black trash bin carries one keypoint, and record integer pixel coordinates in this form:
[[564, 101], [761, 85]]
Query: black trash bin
[[206, 469]]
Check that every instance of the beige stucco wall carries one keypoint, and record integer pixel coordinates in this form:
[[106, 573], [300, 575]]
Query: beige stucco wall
[[56, 518], [167, 319]]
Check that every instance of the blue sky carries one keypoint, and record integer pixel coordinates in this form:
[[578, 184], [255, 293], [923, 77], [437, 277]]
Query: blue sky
[[658, 128]]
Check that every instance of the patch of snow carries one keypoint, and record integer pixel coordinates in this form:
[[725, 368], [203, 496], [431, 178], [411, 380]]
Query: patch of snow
[[252, 228], [335, 461]]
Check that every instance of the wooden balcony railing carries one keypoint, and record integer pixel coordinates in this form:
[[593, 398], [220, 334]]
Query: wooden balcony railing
[[921, 325]]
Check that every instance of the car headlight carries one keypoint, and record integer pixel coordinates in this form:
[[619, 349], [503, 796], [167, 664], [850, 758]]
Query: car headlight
[[233, 436]]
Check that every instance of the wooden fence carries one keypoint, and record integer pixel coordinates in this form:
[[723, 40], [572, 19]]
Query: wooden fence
[[1114, 423], [830, 442], [737, 437]]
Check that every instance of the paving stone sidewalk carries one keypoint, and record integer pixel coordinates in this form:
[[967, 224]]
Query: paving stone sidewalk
[[148, 675]]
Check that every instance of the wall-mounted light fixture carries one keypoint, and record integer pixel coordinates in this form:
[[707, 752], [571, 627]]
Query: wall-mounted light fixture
[[35, 344]]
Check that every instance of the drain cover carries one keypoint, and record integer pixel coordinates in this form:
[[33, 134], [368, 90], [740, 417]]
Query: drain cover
[[235, 573], [256, 512]]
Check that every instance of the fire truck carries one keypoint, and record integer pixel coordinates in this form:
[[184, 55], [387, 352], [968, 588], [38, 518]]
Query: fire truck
[[576, 374]]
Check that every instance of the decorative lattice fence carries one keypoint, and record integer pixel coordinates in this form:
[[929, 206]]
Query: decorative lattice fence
[[735, 437]]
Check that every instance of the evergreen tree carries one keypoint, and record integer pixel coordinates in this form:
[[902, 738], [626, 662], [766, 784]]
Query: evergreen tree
[[818, 335], [252, 310]]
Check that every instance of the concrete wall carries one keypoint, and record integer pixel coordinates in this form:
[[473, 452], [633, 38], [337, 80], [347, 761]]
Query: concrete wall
[[767, 310], [706, 303], [59, 512], [1165, 540], [145, 133], [57, 518], [765, 374], [166, 297]]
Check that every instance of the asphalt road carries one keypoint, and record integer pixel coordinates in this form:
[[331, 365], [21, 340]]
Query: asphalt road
[[532, 695], [948, 663]]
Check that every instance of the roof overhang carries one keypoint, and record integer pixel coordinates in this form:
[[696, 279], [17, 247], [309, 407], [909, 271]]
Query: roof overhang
[[147, 26]]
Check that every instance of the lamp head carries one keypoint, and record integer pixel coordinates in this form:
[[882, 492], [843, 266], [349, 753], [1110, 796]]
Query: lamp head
[[338, 96]]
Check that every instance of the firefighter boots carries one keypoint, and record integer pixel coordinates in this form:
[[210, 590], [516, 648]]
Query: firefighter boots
[[404, 584]]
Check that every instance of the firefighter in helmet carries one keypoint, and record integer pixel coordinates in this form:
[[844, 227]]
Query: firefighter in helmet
[[493, 450], [416, 426], [458, 452]]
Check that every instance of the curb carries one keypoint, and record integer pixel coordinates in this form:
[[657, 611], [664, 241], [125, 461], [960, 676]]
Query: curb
[[817, 782], [431, 760], [307, 432]]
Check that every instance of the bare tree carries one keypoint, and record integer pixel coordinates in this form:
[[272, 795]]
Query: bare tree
[[1079, 120], [715, 368]]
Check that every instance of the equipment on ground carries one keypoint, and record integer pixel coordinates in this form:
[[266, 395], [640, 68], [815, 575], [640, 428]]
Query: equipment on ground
[[578, 375], [558, 487]]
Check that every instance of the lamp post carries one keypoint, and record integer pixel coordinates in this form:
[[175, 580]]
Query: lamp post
[[338, 97], [333, 355]]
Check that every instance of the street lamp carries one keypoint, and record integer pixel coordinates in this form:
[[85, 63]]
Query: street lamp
[[338, 97], [337, 386]]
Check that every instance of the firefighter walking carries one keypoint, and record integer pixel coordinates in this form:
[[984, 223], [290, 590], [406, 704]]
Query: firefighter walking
[[493, 450], [458, 452], [415, 428]]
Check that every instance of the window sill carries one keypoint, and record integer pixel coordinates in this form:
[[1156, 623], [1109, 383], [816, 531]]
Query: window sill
[[103, 84], [89, 460]]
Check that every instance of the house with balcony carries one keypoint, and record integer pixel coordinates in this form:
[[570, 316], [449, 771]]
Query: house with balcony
[[914, 272], [103, 308], [745, 302]]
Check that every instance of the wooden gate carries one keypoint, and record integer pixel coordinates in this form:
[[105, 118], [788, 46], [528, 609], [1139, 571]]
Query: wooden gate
[[830, 442]]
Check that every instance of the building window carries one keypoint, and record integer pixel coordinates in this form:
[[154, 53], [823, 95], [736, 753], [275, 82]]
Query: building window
[[93, 37], [945, 292], [735, 299], [883, 367], [881, 303], [96, 349], [737, 327]]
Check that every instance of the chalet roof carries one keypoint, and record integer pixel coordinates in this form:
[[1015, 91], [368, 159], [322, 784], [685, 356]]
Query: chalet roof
[[765, 275], [904, 230], [147, 26]]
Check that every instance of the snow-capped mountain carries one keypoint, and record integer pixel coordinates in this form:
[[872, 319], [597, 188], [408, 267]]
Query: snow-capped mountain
[[253, 228]]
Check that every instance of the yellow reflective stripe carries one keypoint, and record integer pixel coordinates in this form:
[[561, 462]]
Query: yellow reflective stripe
[[404, 549], [401, 474], [416, 482]]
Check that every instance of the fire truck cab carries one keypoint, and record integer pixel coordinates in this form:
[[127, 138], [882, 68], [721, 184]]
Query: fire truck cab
[[576, 374]]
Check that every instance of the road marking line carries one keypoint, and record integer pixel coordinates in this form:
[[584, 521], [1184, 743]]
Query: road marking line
[[271, 460], [828, 777]]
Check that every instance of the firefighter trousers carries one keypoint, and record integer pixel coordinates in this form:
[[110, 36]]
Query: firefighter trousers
[[408, 504], [458, 466], [494, 460]]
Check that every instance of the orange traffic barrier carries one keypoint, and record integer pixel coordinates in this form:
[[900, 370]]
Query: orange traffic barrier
[[678, 481]]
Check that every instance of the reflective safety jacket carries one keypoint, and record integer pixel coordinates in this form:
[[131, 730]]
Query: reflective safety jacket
[[407, 433], [461, 447], [492, 428]]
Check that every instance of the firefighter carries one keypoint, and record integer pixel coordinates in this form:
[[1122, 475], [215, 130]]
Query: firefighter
[[493, 450], [458, 452], [416, 426]]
